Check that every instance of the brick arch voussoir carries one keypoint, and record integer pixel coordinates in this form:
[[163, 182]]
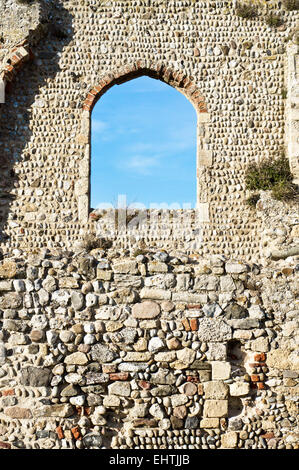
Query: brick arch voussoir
[[174, 78], [19, 55]]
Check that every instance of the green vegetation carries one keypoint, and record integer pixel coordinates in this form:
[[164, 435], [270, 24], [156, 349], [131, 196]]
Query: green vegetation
[[291, 5], [284, 93], [274, 175], [246, 10], [253, 199], [273, 20]]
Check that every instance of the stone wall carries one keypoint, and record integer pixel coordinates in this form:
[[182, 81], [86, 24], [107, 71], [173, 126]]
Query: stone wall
[[233, 70], [161, 350], [179, 333]]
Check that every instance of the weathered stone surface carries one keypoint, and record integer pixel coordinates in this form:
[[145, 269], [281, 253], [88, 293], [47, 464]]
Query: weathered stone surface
[[239, 389], [36, 376], [100, 352], [57, 411], [12, 300], [221, 370], [18, 412], [213, 329], [8, 269], [215, 408], [118, 388], [229, 440], [77, 358], [147, 309], [216, 390]]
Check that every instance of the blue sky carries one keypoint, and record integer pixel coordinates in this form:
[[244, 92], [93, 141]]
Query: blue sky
[[143, 145]]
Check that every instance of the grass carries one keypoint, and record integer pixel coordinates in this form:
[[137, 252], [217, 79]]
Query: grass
[[274, 175], [273, 20], [246, 10]]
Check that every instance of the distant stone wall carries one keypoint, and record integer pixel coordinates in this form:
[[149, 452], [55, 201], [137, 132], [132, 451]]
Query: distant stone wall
[[160, 350]]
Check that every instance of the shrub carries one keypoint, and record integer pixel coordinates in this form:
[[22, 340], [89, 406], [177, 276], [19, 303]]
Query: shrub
[[253, 199], [274, 175], [91, 241], [284, 93], [273, 20], [291, 5], [246, 10]]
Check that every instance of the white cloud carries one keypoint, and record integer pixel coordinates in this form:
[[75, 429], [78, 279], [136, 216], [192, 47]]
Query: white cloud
[[141, 164], [99, 126]]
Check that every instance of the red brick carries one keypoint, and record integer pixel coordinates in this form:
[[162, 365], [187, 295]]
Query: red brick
[[144, 384], [4, 445], [261, 357], [193, 324], [119, 376], [261, 386], [186, 324], [192, 378], [59, 432], [268, 435], [8, 392], [76, 433], [255, 378]]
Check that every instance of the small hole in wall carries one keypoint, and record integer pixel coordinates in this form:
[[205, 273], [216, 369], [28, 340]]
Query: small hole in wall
[[236, 357], [235, 407]]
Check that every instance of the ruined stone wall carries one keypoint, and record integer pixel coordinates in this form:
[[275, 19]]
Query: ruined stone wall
[[182, 333], [231, 69], [159, 350]]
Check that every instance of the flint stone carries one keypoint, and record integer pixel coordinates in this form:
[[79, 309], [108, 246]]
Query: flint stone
[[146, 310], [70, 391], [155, 344], [191, 422], [102, 353], [77, 300], [36, 377], [92, 440], [162, 391]]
